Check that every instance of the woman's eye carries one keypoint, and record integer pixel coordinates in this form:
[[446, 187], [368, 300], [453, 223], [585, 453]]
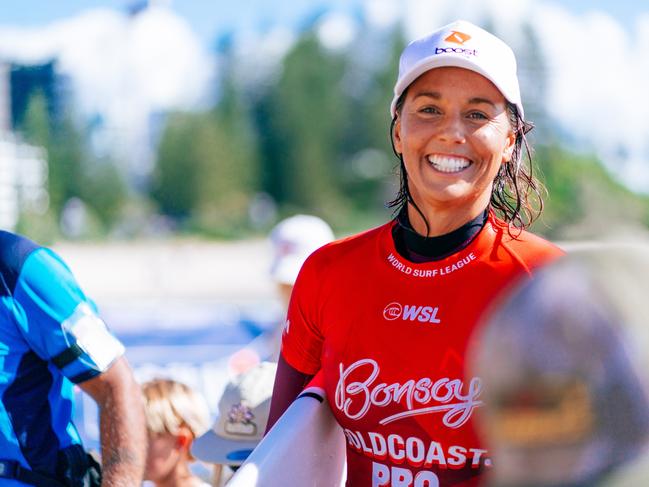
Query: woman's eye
[[429, 110], [478, 116]]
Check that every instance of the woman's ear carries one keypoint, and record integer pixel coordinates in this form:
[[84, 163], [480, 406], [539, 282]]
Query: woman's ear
[[510, 144], [396, 135]]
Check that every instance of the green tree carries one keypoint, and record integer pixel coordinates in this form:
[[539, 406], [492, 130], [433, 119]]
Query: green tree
[[583, 200], [104, 190], [36, 121], [306, 113], [368, 127], [207, 167], [231, 157], [67, 163], [533, 76], [176, 176], [72, 171]]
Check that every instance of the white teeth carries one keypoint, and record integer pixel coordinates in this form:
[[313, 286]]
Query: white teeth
[[448, 164]]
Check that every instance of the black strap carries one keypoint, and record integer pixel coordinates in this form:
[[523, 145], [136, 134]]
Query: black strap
[[67, 356], [84, 376], [10, 469], [312, 394]]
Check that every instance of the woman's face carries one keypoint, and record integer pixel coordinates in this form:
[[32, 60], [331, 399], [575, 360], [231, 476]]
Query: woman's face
[[454, 134]]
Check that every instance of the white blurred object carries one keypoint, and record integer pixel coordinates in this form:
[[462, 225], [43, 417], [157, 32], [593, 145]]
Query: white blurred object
[[336, 31], [243, 414], [305, 447], [23, 179], [293, 240], [74, 218]]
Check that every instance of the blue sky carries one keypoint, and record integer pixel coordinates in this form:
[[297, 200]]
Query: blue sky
[[127, 81], [210, 18]]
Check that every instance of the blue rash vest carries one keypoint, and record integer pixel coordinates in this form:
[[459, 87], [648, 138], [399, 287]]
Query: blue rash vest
[[50, 339]]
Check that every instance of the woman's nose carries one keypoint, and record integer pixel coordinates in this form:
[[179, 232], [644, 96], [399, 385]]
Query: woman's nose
[[451, 130]]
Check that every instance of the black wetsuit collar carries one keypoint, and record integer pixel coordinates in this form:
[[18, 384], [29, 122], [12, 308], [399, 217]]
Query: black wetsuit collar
[[417, 248]]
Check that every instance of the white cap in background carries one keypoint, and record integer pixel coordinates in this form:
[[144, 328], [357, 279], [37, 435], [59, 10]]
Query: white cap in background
[[243, 414], [460, 44], [293, 240]]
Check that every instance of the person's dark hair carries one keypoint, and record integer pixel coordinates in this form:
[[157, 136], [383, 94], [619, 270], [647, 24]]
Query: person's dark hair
[[517, 196]]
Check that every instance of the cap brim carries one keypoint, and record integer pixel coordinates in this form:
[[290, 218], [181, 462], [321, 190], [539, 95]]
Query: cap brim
[[442, 61], [213, 448]]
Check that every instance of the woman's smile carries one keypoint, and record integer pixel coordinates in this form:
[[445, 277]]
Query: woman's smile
[[448, 163]]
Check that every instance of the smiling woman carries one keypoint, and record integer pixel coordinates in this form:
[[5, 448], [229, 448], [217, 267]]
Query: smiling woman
[[481, 90], [387, 315]]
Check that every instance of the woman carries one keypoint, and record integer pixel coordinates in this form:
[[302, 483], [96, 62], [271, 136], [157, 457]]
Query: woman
[[387, 315]]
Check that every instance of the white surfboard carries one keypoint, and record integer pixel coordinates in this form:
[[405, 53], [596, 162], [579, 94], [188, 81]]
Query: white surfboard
[[306, 447]]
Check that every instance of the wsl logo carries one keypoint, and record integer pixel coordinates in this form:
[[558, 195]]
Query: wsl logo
[[423, 314], [392, 311]]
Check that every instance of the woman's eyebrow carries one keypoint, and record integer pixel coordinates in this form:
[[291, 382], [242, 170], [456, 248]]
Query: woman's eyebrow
[[478, 100], [429, 94], [437, 96]]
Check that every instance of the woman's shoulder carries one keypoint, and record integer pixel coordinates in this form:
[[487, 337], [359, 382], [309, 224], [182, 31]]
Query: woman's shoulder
[[532, 249]]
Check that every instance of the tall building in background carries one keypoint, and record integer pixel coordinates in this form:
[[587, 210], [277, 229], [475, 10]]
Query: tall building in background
[[23, 167], [5, 98], [25, 81]]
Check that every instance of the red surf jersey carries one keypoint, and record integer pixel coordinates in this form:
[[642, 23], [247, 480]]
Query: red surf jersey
[[390, 337]]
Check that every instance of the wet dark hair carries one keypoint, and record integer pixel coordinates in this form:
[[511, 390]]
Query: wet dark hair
[[517, 195]]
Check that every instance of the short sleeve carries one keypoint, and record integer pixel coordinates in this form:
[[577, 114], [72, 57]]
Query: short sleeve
[[302, 338], [59, 322]]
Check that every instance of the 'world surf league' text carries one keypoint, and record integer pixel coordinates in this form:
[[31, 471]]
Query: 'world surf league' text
[[440, 271]]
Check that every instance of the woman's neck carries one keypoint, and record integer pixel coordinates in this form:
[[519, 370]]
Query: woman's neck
[[419, 249], [444, 219]]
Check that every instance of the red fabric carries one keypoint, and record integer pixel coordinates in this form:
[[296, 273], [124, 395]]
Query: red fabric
[[391, 336], [316, 381]]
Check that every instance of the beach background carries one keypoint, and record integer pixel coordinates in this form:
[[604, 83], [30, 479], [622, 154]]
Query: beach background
[[154, 144]]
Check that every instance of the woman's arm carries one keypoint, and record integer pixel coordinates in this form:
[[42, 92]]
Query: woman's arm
[[289, 382]]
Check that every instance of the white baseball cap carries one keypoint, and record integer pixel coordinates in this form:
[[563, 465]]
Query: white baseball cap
[[243, 414], [463, 45], [293, 240]]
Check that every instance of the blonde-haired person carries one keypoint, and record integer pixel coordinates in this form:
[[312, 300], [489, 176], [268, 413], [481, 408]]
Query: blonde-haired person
[[175, 416]]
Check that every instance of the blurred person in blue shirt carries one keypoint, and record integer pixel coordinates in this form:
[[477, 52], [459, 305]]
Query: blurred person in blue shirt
[[52, 338]]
